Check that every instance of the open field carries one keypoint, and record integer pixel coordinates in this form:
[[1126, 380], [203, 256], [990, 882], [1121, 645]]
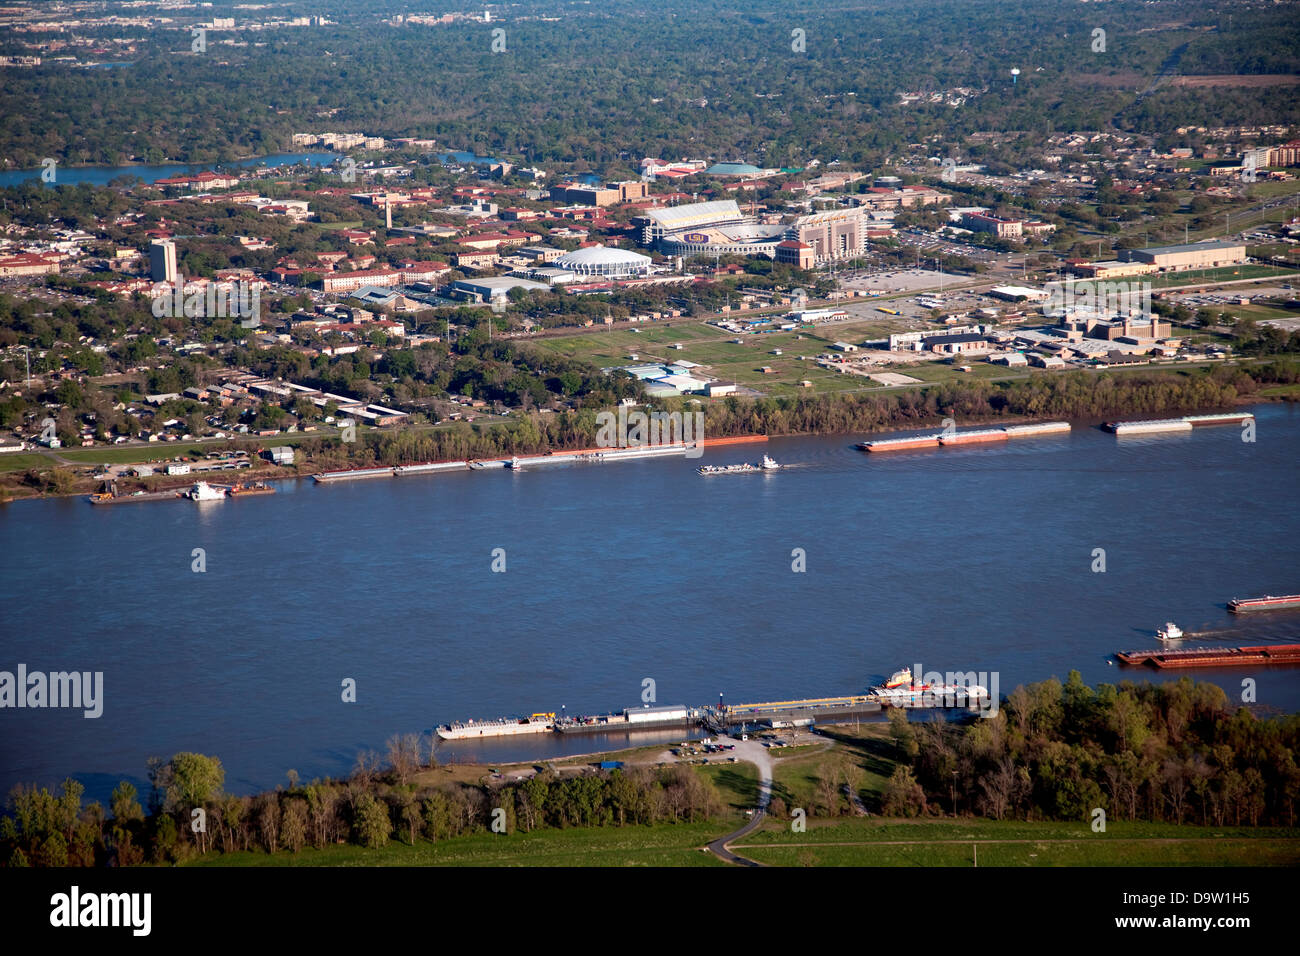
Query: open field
[[20, 461], [137, 453], [726, 360]]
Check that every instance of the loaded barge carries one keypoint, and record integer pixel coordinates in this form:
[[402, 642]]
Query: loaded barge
[[1268, 602], [974, 437], [1184, 423], [1215, 656]]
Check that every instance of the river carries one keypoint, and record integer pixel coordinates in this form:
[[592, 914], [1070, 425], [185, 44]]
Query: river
[[973, 558], [102, 175]]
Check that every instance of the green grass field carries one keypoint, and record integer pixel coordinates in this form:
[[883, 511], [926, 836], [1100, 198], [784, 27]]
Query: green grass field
[[20, 461], [878, 842], [659, 845]]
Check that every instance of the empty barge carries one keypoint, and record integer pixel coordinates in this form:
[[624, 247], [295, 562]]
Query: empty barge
[[1266, 603], [1215, 656]]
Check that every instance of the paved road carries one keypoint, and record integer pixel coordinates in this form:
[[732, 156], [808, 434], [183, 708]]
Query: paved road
[[753, 752]]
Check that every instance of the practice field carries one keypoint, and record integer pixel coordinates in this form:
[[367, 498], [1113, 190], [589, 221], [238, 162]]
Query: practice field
[[725, 359]]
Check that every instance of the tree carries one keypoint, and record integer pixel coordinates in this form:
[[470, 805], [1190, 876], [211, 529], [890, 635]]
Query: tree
[[372, 822], [903, 796], [293, 824]]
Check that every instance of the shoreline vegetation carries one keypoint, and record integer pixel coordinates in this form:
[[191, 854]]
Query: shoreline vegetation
[[1172, 771], [1076, 396]]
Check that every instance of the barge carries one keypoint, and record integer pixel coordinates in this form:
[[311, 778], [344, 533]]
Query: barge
[[1268, 602], [111, 499], [1150, 427], [974, 437], [901, 444], [1214, 656], [979, 437], [1184, 423], [501, 727], [631, 719]]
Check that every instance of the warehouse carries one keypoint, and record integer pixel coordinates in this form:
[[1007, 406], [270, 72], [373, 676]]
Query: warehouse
[[1195, 255]]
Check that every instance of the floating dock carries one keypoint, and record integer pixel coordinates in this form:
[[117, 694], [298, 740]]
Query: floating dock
[[721, 719], [1214, 656], [975, 437]]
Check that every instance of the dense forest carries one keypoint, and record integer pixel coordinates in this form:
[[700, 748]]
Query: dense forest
[[604, 84], [1178, 752]]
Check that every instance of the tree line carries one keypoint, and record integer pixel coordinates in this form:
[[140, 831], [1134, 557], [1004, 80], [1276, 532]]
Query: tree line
[[187, 813], [1177, 752]]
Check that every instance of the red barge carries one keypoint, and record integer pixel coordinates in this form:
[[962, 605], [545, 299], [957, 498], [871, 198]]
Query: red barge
[[1215, 656]]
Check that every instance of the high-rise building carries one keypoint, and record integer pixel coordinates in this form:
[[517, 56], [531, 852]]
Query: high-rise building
[[162, 260]]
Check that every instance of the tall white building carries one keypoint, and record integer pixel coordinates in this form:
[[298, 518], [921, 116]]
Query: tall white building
[[162, 260]]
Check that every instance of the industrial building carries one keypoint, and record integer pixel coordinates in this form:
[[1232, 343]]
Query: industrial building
[[1195, 255]]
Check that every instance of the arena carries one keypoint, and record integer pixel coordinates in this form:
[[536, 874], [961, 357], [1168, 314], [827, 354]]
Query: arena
[[604, 262]]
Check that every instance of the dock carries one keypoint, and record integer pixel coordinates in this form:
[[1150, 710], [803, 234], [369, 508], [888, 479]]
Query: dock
[[730, 718], [1214, 656]]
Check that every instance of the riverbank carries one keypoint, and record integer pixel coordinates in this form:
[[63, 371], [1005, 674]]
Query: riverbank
[[320, 455]]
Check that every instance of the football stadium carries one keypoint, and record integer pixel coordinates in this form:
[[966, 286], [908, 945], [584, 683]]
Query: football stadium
[[720, 228]]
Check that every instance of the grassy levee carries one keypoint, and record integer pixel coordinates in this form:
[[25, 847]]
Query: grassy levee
[[878, 841], [664, 844]]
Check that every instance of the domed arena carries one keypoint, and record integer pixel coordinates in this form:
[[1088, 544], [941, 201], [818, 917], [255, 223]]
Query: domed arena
[[604, 262]]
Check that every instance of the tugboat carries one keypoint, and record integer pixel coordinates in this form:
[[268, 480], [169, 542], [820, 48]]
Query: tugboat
[[202, 491], [901, 678], [1170, 632], [745, 468]]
